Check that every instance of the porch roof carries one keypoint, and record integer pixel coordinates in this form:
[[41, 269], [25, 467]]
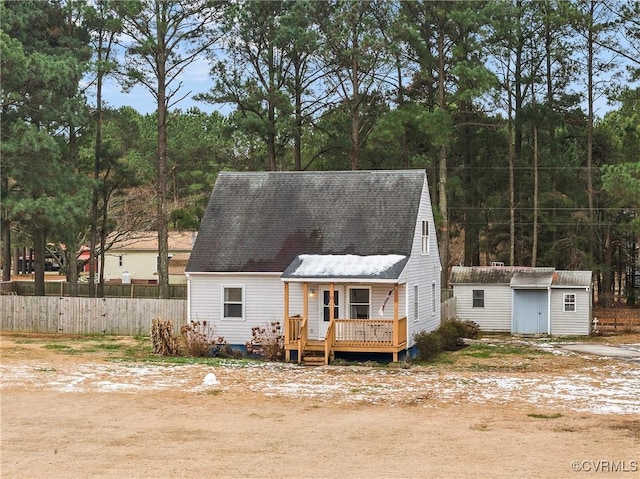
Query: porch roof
[[346, 267]]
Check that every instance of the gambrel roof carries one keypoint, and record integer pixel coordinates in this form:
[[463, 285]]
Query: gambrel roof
[[262, 221]]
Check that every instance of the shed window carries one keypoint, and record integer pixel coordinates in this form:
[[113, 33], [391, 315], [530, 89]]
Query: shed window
[[569, 302], [359, 304], [478, 298], [425, 237], [233, 302]]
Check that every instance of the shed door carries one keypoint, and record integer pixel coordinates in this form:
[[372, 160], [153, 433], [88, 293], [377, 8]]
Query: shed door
[[530, 312]]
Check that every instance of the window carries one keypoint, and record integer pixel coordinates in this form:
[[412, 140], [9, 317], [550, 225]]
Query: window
[[569, 303], [326, 296], [120, 260], [425, 237], [478, 298], [416, 304], [233, 302], [359, 306]]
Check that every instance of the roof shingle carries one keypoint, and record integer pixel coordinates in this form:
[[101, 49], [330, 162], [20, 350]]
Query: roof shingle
[[260, 222]]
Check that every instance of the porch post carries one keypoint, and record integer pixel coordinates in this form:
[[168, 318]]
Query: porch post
[[287, 333], [331, 302], [396, 324], [305, 301]]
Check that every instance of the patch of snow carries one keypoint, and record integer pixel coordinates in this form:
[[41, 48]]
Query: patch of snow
[[347, 265]]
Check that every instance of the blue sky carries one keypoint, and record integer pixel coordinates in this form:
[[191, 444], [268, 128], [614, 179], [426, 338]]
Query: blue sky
[[195, 79]]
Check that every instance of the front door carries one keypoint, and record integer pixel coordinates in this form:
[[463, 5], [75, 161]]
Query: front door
[[325, 310]]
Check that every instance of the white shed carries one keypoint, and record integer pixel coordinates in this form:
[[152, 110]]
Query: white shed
[[523, 300]]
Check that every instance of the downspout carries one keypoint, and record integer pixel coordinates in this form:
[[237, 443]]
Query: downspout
[[188, 297], [549, 310]]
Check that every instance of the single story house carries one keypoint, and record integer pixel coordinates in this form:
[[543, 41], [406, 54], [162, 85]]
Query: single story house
[[134, 257], [345, 261], [523, 300]]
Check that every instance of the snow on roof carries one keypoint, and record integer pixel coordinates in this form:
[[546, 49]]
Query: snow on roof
[[384, 266]]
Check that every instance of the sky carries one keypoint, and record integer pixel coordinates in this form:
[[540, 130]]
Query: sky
[[195, 79]]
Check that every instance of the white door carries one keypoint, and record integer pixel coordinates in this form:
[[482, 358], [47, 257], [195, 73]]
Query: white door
[[324, 317]]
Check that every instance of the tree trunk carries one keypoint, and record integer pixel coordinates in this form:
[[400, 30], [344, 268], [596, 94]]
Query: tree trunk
[[534, 232], [442, 167], [39, 240], [6, 235], [161, 191], [590, 100]]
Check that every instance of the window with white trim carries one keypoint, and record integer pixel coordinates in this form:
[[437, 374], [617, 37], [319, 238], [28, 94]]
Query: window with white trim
[[359, 303], [416, 303], [478, 298], [569, 302], [425, 237], [233, 302]]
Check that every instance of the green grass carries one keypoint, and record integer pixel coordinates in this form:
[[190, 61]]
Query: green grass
[[56, 346], [485, 351]]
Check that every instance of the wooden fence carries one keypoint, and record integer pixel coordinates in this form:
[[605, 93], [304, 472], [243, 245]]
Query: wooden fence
[[61, 288], [117, 316], [616, 320], [448, 309]]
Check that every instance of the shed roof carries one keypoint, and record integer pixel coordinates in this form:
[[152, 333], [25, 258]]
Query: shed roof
[[261, 221], [534, 278], [577, 279], [520, 276], [483, 274]]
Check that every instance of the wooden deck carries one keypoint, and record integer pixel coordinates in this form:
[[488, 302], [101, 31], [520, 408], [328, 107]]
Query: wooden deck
[[346, 335]]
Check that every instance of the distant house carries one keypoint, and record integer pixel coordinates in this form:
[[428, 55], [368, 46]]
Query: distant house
[[524, 300], [345, 261], [135, 257]]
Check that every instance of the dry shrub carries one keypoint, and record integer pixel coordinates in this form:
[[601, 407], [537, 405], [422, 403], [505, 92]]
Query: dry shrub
[[267, 341], [196, 339], [162, 338]]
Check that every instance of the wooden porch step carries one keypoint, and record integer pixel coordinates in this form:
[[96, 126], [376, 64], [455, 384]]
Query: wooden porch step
[[314, 345], [313, 360]]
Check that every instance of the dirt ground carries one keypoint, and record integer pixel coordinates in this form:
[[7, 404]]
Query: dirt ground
[[91, 416]]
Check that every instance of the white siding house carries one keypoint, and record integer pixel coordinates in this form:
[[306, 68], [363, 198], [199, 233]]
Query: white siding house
[[134, 256], [524, 300], [346, 261]]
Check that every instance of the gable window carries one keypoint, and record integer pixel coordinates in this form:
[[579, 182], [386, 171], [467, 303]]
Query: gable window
[[569, 302], [416, 304], [232, 302], [359, 304], [478, 298], [425, 237]]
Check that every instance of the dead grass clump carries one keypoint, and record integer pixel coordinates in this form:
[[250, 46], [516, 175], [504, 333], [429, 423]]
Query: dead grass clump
[[162, 339]]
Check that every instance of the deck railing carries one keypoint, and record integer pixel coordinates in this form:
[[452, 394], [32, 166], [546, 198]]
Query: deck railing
[[357, 335]]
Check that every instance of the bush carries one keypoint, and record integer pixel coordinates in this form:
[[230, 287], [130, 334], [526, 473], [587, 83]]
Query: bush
[[429, 344], [448, 337], [196, 339], [267, 341]]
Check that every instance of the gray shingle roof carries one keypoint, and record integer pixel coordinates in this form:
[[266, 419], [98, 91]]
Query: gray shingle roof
[[519, 276], [261, 221]]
